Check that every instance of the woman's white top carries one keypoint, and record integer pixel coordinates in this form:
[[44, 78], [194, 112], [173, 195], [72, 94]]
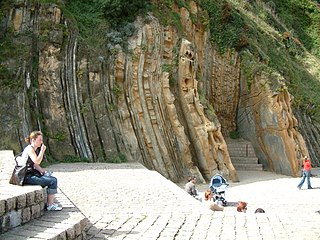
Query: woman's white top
[[25, 155]]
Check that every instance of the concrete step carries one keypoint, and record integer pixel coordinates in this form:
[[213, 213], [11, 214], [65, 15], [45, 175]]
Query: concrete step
[[240, 148], [248, 167], [19, 205], [67, 224], [242, 155], [241, 151], [244, 160], [22, 214]]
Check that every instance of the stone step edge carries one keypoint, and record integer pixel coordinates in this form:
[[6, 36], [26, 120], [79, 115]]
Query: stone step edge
[[245, 160], [248, 166], [19, 205], [52, 225], [240, 147], [67, 224], [15, 198], [242, 154]]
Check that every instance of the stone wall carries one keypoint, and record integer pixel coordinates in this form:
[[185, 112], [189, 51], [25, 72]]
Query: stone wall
[[19, 209]]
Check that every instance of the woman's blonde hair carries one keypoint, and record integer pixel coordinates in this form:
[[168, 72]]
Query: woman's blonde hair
[[33, 135]]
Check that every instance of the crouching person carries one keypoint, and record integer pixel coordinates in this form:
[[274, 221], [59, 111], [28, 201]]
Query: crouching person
[[190, 188], [33, 155]]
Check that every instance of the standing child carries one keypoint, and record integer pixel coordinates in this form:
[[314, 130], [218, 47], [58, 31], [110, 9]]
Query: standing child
[[306, 173]]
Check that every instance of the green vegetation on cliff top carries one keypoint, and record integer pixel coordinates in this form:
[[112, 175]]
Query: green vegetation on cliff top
[[271, 36]]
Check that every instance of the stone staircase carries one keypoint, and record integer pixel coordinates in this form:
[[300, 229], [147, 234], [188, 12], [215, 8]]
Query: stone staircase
[[22, 214], [242, 155]]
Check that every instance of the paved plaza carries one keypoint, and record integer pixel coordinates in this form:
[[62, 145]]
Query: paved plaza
[[127, 201]]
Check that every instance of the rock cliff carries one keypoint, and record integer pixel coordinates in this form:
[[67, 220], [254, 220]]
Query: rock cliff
[[266, 118], [168, 102]]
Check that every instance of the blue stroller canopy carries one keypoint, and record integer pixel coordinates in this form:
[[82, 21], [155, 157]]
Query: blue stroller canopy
[[218, 184]]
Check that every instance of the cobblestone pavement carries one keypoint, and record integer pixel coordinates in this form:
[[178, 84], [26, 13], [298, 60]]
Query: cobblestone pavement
[[127, 201]]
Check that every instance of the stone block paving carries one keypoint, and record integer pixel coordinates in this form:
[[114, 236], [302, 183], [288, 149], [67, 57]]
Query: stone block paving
[[128, 201]]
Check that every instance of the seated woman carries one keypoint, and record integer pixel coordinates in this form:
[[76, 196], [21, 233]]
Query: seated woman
[[208, 195], [36, 175]]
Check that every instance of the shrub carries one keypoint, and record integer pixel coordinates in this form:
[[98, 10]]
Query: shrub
[[234, 134], [117, 158]]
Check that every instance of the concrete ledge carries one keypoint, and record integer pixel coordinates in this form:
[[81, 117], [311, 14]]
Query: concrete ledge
[[244, 160], [67, 224], [18, 205], [22, 214], [248, 167], [53, 225]]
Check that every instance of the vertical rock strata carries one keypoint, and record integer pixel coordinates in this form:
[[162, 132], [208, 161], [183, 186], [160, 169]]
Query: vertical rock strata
[[266, 118], [144, 103], [210, 147]]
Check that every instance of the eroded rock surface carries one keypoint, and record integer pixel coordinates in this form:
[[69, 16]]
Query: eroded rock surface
[[266, 118], [168, 102]]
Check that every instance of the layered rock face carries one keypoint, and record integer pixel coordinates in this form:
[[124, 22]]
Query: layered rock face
[[310, 131], [146, 104], [266, 118]]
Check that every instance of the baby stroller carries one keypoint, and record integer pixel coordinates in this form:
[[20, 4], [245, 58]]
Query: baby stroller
[[218, 185]]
